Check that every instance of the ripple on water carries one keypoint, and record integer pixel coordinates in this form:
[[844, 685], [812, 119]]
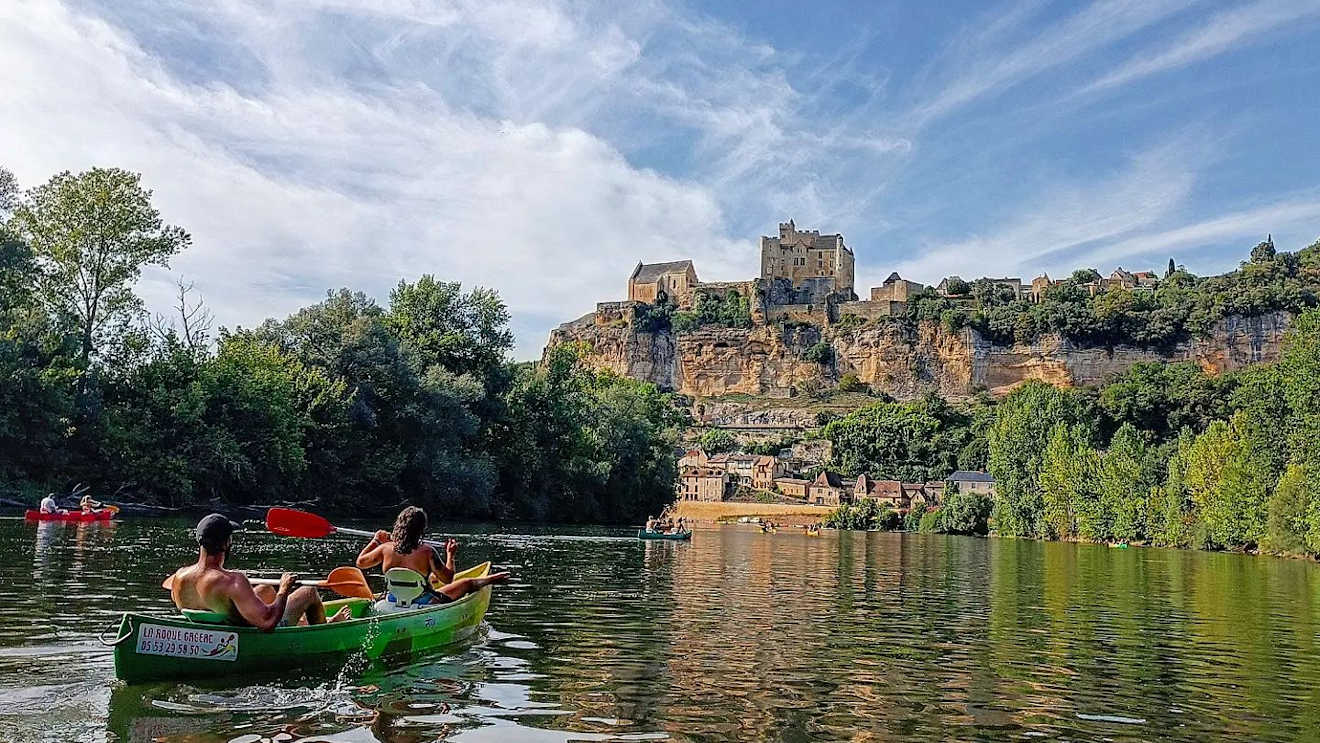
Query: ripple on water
[[736, 635]]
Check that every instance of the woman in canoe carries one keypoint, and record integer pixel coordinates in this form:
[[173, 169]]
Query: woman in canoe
[[403, 548]]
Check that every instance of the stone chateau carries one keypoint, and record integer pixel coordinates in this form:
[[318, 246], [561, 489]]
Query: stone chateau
[[805, 297]]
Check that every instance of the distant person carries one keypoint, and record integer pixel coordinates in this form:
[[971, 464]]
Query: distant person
[[403, 548], [48, 504], [207, 585], [88, 504]]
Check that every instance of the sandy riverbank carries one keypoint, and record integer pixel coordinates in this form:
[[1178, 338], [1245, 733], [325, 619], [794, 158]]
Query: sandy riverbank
[[780, 513]]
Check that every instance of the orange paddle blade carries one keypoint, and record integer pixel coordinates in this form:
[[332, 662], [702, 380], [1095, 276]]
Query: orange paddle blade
[[289, 522], [348, 581], [168, 585]]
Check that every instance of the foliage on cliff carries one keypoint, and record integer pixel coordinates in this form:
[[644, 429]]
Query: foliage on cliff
[[913, 442], [1181, 307], [346, 403], [728, 310]]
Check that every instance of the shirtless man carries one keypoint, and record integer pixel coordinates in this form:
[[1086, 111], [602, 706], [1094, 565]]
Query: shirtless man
[[207, 585], [403, 548]]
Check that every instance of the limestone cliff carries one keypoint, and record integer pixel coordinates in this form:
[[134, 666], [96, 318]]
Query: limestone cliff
[[768, 359]]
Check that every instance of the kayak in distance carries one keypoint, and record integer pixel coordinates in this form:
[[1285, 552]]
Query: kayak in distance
[[167, 648], [103, 514], [681, 536]]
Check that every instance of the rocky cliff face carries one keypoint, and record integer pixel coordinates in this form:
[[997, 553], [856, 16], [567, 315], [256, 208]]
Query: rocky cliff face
[[768, 359]]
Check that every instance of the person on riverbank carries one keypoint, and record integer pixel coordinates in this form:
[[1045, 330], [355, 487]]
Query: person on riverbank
[[402, 547], [207, 585]]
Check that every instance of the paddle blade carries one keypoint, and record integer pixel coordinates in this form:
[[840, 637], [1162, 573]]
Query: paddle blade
[[289, 522], [348, 581], [168, 585]]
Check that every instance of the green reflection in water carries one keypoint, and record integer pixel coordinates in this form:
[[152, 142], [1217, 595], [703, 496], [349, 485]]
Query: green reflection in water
[[736, 636]]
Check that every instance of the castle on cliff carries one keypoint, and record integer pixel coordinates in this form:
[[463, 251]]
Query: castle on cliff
[[805, 277]]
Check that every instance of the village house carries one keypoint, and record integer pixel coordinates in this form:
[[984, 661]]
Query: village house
[[1011, 283], [912, 492], [739, 466], [933, 493], [1039, 286], [969, 481], [826, 490], [888, 493], [765, 470], [792, 486], [651, 283], [693, 458], [703, 484], [942, 288], [895, 289]]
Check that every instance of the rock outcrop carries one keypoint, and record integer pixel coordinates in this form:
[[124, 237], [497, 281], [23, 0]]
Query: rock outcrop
[[769, 360]]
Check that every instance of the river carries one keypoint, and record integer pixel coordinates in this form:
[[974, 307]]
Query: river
[[734, 636]]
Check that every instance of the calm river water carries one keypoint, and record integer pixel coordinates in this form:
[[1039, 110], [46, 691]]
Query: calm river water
[[735, 636]]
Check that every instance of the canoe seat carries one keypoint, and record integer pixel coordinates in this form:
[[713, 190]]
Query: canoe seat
[[202, 616], [403, 586]]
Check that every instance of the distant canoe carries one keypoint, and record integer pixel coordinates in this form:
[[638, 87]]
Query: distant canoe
[[681, 536]]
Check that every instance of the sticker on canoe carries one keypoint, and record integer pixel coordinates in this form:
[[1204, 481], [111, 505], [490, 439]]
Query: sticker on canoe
[[155, 639]]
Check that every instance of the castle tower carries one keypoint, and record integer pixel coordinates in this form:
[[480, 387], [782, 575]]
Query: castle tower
[[802, 256]]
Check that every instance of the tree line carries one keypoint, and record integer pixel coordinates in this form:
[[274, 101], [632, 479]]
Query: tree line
[[1163, 454], [1182, 306], [350, 404]]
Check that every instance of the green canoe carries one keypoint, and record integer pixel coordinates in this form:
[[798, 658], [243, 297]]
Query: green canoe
[[160, 648], [644, 534]]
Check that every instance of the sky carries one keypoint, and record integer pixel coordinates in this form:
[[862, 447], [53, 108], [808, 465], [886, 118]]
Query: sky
[[543, 149]]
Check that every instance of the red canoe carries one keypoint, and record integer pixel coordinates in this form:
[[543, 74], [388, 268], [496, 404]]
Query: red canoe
[[102, 515]]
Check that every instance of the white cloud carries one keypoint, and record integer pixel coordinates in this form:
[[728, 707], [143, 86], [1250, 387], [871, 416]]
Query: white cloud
[[993, 70], [1221, 33]]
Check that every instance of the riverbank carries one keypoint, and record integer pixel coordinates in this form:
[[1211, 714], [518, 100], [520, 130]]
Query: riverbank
[[706, 512]]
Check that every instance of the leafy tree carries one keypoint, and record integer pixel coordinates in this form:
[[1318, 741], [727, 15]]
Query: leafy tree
[[1288, 527], [1017, 440], [914, 441], [1067, 482], [1264, 252], [1125, 478], [91, 234], [464, 333], [956, 287], [717, 441], [1228, 484], [964, 513]]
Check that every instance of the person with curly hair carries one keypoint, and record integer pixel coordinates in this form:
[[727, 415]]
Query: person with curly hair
[[402, 547]]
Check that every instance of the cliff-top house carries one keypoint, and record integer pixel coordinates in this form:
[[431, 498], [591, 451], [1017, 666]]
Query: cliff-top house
[[653, 282]]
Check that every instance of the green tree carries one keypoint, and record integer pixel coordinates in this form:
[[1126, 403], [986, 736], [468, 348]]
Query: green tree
[[465, 333], [1017, 441], [717, 441], [1067, 482], [91, 234], [1228, 484], [1124, 482]]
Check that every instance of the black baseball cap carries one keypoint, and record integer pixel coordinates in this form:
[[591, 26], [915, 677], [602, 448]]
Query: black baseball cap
[[213, 531]]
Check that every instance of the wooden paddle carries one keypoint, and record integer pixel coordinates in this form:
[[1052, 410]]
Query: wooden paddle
[[345, 581], [290, 522]]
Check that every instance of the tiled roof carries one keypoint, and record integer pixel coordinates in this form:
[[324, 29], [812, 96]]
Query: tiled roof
[[970, 476], [648, 272]]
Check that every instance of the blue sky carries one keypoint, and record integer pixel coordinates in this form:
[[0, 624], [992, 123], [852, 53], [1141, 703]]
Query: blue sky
[[543, 149]]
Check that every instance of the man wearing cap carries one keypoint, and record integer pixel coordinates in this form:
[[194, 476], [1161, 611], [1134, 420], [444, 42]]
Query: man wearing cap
[[208, 586]]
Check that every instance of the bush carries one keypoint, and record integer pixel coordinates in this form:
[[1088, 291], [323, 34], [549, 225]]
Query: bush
[[821, 353], [850, 383]]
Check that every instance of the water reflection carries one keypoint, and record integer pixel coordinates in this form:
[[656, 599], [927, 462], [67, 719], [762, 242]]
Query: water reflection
[[735, 636]]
